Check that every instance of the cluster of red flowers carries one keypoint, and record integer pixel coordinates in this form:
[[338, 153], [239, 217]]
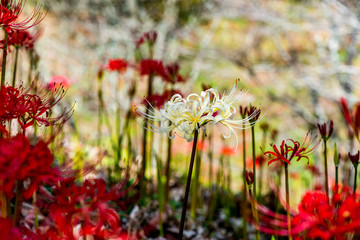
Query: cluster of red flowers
[[21, 163], [28, 109], [10, 11], [317, 218], [85, 206]]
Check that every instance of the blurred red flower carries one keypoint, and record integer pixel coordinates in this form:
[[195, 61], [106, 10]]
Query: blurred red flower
[[30, 165], [57, 82], [86, 206], [151, 67], [172, 75], [149, 37], [352, 118], [23, 38], [119, 65]]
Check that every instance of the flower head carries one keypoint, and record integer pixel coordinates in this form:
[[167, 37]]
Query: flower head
[[352, 118], [149, 37], [249, 176], [58, 82], [15, 103], [171, 74], [188, 115], [325, 134], [86, 206], [291, 149], [10, 12], [28, 164], [151, 67], [117, 65], [23, 38], [354, 158]]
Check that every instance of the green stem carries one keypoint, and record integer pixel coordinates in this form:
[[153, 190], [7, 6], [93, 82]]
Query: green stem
[[167, 170], [15, 66], [187, 189], [195, 186], [287, 200], [254, 212], [117, 135], [326, 171], [254, 159], [244, 199], [336, 176], [3, 68], [31, 63], [18, 203], [355, 177], [144, 142]]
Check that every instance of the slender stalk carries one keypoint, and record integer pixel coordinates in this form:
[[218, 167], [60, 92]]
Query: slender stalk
[[254, 159], [336, 176], [117, 134], [3, 68], [253, 209], [167, 170], [244, 199], [18, 203], [144, 141], [195, 186], [187, 189], [31, 63], [326, 171], [15, 66], [35, 212], [3, 204], [355, 177], [287, 200], [210, 156]]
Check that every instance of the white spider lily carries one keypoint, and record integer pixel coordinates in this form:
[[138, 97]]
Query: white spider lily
[[188, 115]]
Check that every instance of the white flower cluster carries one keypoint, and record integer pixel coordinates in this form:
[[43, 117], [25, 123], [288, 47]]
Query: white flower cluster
[[188, 115]]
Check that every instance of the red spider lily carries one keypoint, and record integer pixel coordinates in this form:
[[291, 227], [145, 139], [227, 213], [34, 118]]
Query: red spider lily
[[354, 158], [325, 134], [58, 82], [31, 108], [29, 165], [317, 218], [249, 176], [10, 12], [243, 111], [285, 153], [23, 38], [149, 37], [352, 118], [119, 65], [253, 114], [151, 67], [86, 206], [171, 74]]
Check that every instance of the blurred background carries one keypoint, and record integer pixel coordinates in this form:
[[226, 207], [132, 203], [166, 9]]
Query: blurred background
[[295, 58]]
